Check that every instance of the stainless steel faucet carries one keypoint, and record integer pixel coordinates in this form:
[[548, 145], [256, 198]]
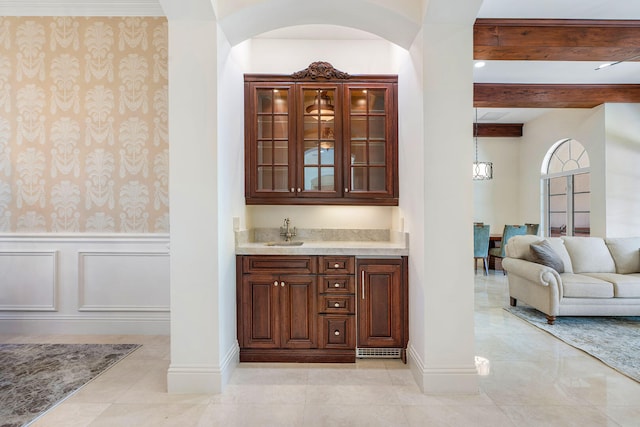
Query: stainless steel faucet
[[287, 232]]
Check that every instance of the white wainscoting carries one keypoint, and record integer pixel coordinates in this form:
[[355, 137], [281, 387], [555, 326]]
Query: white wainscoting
[[28, 281], [80, 284]]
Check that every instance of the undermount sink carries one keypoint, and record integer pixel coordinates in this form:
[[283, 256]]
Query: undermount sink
[[284, 243]]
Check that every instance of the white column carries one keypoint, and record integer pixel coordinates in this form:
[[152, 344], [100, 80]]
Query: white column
[[448, 353], [193, 186]]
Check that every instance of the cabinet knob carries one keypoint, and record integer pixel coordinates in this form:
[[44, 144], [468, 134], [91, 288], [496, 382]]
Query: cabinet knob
[[336, 265], [336, 333], [293, 190], [275, 283], [299, 190], [282, 284], [336, 285], [336, 304], [346, 190]]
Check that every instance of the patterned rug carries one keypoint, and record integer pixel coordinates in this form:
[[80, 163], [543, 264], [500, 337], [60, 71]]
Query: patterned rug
[[35, 377], [613, 340]]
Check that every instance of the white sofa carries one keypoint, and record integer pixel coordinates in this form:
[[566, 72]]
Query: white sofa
[[601, 276]]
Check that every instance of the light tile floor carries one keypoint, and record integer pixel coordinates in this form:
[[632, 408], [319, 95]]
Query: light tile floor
[[534, 380]]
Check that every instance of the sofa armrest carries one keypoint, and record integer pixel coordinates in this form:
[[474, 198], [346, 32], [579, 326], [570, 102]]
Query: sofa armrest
[[536, 273]]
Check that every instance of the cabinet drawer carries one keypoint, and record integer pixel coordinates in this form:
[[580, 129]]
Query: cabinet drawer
[[336, 265], [279, 264], [337, 331], [336, 285], [338, 304]]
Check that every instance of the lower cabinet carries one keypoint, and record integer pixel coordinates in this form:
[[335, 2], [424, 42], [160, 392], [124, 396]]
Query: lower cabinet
[[279, 311], [316, 309], [382, 307]]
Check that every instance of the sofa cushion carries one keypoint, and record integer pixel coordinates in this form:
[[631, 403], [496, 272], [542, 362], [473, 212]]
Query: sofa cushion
[[589, 255], [543, 253], [626, 253], [518, 246], [624, 285], [583, 286]]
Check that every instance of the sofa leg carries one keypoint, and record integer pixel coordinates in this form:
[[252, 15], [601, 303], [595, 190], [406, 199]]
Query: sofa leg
[[512, 301], [551, 319]]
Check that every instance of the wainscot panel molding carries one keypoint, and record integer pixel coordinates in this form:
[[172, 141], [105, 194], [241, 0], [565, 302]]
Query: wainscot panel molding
[[29, 280], [123, 281], [85, 284]]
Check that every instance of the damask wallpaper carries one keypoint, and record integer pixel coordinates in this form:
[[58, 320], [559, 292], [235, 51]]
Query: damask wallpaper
[[83, 125]]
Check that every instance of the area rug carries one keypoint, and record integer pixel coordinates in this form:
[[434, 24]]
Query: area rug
[[613, 340], [35, 377]]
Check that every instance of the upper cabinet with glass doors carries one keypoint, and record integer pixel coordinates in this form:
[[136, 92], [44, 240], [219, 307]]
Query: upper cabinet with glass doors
[[321, 136]]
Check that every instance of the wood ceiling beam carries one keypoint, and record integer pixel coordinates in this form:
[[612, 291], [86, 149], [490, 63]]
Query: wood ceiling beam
[[556, 39], [498, 130], [513, 95]]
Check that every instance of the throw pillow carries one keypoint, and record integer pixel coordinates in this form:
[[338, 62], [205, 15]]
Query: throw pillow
[[543, 253]]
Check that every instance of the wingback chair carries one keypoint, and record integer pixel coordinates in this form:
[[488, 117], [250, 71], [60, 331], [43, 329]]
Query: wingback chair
[[508, 232], [481, 246]]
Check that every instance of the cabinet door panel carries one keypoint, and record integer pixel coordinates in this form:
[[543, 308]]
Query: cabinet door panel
[[336, 264], [320, 142], [337, 332], [380, 305], [299, 311], [370, 142], [260, 317], [269, 152], [275, 264]]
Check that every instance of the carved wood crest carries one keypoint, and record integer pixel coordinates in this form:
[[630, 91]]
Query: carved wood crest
[[320, 69]]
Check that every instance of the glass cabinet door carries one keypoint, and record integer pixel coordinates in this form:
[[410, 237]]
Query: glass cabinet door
[[271, 154], [370, 158], [319, 141], [313, 140]]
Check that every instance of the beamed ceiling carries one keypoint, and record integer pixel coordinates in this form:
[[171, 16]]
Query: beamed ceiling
[[554, 40]]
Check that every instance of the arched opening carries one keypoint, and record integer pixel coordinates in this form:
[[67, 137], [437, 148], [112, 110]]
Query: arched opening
[[566, 187]]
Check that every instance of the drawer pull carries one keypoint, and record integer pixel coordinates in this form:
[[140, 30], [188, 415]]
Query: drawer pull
[[336, 285], [336, 333], [275, 283], [337, 305], [282, 284], [336, 265]]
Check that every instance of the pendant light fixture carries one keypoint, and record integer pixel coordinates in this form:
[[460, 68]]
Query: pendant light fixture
[[322, 106], [482, 171]]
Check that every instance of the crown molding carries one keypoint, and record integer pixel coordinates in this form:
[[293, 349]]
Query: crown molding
[[81, 8]]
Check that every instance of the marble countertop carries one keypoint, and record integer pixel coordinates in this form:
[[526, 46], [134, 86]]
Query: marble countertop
[[325, 242]]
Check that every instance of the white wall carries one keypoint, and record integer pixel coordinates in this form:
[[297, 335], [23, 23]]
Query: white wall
[[286, 56], [230, 195], [495, 201], [412, 187], [584, 125], [622, 127], [83, 284]]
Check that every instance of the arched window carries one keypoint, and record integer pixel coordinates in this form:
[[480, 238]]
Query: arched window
[[567, 189]]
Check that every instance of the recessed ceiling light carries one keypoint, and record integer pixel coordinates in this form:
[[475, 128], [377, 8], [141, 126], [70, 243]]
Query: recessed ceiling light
[[479, 64]]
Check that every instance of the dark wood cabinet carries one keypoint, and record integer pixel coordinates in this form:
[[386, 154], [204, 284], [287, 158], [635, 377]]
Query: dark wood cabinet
[[337, 322], [316, 309], [279, 311], [382, 304], [321, 136]]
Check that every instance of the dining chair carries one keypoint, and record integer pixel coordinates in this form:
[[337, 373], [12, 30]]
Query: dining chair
[[481, 246], [532, 228], [508, 232]]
